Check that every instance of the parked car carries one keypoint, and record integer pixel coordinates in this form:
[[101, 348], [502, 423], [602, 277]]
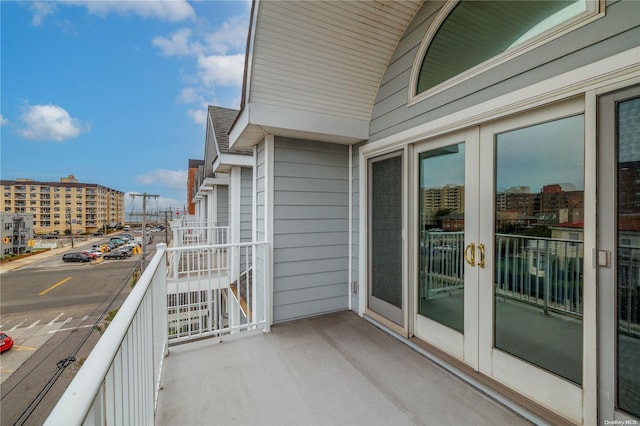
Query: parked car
[[6, 342], [117, 254], [89, 253], [126, 249], [117, 241], [97, 234], [75, 257]]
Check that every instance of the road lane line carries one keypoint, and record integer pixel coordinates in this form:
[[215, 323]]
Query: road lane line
[[17, 325], [71, 328], [34, 324], [42, 293], [55, 319]]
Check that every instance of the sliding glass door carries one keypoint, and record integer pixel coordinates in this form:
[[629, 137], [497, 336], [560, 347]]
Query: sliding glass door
[[619, 255]]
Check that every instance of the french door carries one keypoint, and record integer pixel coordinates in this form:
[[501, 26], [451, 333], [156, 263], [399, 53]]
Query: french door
[[500, 251], [619, 256]]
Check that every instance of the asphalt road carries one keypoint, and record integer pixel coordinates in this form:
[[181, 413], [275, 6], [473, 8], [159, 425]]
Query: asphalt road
[[50, 309]]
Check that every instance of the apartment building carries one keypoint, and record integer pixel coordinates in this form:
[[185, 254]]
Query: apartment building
[[17, 233], [64, 206]]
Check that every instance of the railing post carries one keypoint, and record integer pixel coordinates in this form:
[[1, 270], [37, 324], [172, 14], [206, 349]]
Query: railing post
[[545, 281]]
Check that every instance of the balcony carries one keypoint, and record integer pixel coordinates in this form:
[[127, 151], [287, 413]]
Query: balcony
[[193, 231], [333, 369]]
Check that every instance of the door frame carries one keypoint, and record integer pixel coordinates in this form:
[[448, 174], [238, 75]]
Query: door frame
[[462, 346], [606, 254], [552, 391], [402, 329]]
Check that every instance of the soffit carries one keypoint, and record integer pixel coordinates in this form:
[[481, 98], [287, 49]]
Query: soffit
[[324, 57]]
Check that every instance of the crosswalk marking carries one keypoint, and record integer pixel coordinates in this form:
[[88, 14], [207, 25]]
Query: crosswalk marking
[[55, 319], [44, 323], [16, 326]]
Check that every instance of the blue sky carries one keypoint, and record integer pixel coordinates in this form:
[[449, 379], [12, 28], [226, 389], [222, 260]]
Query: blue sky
[[115, 92]]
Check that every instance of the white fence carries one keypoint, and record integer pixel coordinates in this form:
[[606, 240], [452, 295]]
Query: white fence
[[217, 290], [119, 382]]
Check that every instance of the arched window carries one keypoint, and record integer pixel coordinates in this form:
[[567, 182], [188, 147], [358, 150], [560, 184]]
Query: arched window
[[472, 35]]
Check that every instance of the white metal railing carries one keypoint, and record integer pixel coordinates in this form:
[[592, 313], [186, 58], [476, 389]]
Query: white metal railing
[[119, 382], [217, 290], [196, 231], [546, 272], [628, 303], [441, 262]]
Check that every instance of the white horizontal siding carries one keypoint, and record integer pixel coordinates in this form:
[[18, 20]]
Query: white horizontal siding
[[311, 218], [246, 204]]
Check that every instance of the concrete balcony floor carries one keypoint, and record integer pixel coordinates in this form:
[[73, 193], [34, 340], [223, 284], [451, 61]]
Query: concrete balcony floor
[[336, 369]]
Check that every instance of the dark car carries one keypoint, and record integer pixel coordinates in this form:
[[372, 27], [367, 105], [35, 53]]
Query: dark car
[[75, 257], [6, 342], [126, 249], [117, 254]]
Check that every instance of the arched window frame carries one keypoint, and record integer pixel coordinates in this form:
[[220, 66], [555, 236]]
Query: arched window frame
[[595, 10]]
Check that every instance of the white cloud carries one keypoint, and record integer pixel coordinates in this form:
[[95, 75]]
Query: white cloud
[[3, 120], [173, 10], [41, 9], [177, 44], [49, 123], [190, 95], [221, 70], [199, 115], [175, 179], [232, 36]]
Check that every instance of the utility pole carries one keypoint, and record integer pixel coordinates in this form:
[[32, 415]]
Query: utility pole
[[144, 225]]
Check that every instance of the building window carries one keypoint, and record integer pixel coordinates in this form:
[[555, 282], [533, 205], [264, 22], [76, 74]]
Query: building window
[[469, 37]]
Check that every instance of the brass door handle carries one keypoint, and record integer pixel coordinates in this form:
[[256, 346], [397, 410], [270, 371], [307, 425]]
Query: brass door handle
[[470, 254], [481, 250]]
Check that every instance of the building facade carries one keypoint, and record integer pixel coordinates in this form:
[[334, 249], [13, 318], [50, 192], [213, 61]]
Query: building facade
[[17, 233], [65, 206], [192, 178], [382, 100]]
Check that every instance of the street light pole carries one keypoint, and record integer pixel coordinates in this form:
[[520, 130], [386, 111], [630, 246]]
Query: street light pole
[[70, 228]]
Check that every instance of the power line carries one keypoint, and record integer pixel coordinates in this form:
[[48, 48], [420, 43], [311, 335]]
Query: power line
[[144, 224]]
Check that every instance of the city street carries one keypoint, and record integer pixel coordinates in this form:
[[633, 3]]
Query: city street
[[51, 309]]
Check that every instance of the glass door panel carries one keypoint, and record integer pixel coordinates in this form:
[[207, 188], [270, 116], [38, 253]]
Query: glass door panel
[[628, 256], [539, 252], [441, 235]]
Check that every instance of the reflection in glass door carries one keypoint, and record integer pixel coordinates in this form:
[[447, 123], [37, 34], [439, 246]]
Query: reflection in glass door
[[441, 235], [628, 256], [539, 249]]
